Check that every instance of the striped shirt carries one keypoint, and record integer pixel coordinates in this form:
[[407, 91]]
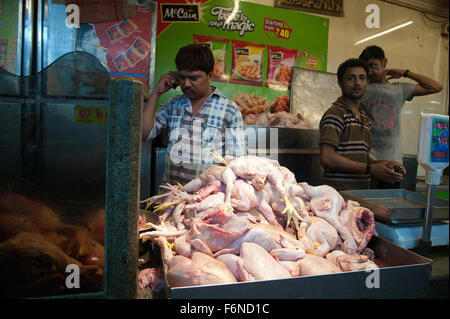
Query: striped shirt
[[216, 127], [340, 128]]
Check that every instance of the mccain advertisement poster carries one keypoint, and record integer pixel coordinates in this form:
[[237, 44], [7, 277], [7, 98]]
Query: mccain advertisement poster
[[255, 47]]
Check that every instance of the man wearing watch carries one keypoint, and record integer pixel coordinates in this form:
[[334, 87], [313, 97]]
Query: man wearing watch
[[345, 136], [383, 102]]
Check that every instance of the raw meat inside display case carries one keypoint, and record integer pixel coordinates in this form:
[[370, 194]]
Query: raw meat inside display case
[[53, 143]]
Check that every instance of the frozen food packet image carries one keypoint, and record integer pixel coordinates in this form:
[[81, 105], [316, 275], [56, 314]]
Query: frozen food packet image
[[141, 46], [114, 33], [280, 62], [132, 57], [219, 48], [312, 61], [121, 63], [246, 65], [250, 103], [127, 26]]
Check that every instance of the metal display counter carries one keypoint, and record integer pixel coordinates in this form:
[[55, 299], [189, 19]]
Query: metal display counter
[[400, 270]]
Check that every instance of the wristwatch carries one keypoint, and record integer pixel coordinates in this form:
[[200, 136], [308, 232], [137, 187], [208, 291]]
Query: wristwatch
[[405, 75]]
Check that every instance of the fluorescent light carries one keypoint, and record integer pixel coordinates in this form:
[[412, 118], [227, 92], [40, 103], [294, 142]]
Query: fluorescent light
[[384, 32]]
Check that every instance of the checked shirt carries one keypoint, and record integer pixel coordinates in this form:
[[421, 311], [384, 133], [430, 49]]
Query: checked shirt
[[216, 127]]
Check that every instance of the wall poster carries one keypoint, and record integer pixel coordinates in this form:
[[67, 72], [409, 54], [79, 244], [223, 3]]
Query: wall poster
[[124, 46], [255, 47]]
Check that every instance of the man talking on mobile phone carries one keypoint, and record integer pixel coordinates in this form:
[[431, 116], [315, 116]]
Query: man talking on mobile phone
[[200, 120]]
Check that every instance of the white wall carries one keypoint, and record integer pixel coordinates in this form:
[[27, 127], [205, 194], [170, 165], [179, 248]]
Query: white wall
[[418, 47]]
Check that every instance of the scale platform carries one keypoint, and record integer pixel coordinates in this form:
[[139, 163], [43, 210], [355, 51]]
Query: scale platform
[[407, 235]]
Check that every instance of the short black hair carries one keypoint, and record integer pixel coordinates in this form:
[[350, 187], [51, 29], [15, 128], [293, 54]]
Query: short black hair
[[351, 63], [194, 57], [372, 52]]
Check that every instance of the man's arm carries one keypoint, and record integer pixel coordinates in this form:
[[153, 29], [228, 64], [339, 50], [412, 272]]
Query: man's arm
[[332, 160], [148, 117], [425, 85], [379, 169]]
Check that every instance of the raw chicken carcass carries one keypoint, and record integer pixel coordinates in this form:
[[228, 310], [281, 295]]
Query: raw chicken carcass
[[322, 232], [244, 197], [326, 202], [360, 221], [200, 269], [217, 229], [350, 262], [254, 263], [236, 265], [212, 173], [288, 254], [270, 238], [260, 264], [215, 201], [315, 265]]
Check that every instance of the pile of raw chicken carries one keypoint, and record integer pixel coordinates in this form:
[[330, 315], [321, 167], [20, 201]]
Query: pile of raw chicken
[[248, 219]]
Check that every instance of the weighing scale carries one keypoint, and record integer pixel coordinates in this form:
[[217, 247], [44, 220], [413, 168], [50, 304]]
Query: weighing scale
[[433, 157]]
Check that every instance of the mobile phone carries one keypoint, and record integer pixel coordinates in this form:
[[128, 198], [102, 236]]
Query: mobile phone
[[176, 82]]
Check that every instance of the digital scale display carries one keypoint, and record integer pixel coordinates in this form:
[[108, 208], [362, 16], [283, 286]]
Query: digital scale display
[[439, 141]]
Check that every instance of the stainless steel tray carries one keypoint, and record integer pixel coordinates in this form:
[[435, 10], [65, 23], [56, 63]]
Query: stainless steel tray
[[398, 205], [400, 270]]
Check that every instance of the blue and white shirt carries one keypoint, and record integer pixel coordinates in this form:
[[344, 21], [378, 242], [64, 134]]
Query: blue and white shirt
[[217, 126]]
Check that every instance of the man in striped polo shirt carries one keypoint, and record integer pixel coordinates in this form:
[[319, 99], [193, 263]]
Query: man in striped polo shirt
[[200, 120], [345, 135]]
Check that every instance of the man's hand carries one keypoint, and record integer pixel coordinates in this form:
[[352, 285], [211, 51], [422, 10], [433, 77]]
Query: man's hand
[[166, 82], [397, 167], [394, 73], [386, 171]]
